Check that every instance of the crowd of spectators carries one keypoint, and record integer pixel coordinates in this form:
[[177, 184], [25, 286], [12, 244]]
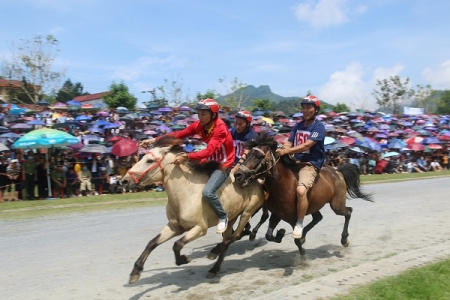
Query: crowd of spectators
[[26, 174]]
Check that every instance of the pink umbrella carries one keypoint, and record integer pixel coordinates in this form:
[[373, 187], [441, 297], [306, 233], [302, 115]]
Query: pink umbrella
[[124, 147], [416, 147]]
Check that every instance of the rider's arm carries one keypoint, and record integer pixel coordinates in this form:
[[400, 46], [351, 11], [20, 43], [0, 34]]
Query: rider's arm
[[288, 149]]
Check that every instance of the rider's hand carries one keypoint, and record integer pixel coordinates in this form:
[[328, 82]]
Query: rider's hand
[[181, 158], [282, 151], [146, 142]]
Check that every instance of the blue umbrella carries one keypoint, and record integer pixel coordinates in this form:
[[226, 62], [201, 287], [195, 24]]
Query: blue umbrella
[[17, 111], [431, 140], [10, 135], [101, 123], [111, 126], [389, 154], [74, 103], [83, 118], [297, 115], [395, 145], [36, 122]]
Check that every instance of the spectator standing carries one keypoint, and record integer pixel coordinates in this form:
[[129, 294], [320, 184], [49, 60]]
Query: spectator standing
[[13, 173], [42, 178], [59, 181], [72, 181], [4, 179], [29, 173], [85, 181]]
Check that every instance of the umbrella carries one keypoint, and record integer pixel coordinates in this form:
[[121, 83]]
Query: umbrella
[[59, 105], [74, 103], [9, 105], [185, 108], [36, 122], [389, 154], [21, 126], [45, 138], [101, 123], [267, 120], [380, 136], [115, 138], [111, 126], [91, 137], [122, 110], [163, 127], [357, 149], [165, 109], [17, 111], [83, 118], [42, 102], [10, 135], [94, 148], [347, 140], [103, 114], [416, 147], [414, 139], [329, 140], [3, 147], [431, 140], [434, 146], [124, 147], [395, 145], [297, 115]]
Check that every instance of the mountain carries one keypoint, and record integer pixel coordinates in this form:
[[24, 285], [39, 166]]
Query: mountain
[[261, 92]]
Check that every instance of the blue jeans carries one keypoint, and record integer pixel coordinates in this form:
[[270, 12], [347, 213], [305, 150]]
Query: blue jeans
[[209, 191]]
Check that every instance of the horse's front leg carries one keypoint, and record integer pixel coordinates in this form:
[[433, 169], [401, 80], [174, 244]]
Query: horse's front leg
[[264, 217], [226, 235], [193, 234], [273, 222], [166, 234], [317, 217]]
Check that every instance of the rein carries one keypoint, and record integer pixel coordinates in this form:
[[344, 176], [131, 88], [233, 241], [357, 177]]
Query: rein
[[272, 159], [137, 176]]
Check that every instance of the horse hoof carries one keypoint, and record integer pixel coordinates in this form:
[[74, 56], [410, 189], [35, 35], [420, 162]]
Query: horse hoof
[[302, 240], [183, 260], [302, 252], [134, 278], [212, 256], [210, 275], [252, 237], [346, 244]]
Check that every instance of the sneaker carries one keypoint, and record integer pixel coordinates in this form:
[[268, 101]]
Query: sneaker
[[79, 195], [298, 231], [222, 226], [96, 193]]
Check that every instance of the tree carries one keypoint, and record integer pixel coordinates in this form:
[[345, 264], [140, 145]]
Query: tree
[[393, 93], [120, 96], [423, 97], [172, 92], [69, 91], [264, 104], [340, 107], [443, 105], [211, 94], [235, 96], [31, 61]]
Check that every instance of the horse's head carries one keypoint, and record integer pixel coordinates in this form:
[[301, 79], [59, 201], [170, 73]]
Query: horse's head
[[150, 168], [260, 161]]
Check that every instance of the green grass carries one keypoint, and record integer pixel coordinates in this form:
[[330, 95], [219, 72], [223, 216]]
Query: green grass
[[402, 176], [429, 282]]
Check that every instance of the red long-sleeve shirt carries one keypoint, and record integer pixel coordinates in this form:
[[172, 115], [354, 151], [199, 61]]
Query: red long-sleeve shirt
[[219, 142]]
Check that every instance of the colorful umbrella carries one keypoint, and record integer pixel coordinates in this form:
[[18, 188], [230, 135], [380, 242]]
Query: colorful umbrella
[[94, 148], [124, 147], [389, 154], [416, 147]]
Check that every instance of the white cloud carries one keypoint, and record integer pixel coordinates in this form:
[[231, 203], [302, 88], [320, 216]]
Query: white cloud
[[384, 73], [145, 66], [322, 13], [347, 87], [440, 77]]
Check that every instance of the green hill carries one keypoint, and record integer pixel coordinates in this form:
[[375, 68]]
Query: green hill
[[261, 92]]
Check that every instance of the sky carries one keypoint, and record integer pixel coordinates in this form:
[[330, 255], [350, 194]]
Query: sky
[[335, 49]]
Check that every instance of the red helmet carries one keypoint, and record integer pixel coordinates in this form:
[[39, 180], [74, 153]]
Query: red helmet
[[311, 99], [209, 104], [244, 115]]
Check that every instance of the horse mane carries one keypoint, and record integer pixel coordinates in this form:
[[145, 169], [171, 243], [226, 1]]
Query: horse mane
[[263, 139], [177, 147]]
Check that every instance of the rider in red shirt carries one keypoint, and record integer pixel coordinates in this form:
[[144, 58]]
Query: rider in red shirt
[[220, 147]]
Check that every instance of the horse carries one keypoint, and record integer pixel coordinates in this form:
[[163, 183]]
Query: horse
[[186, 211], [281, 177]]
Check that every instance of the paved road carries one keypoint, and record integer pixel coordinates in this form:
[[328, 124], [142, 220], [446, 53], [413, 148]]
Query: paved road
[[90, 255]]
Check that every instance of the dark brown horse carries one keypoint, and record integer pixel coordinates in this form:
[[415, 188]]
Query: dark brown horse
[[331, 186]]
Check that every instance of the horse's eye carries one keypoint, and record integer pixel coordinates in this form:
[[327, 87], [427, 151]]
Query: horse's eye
[[150, 161]]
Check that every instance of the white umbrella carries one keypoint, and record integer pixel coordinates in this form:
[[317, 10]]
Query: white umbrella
[[3, 147]]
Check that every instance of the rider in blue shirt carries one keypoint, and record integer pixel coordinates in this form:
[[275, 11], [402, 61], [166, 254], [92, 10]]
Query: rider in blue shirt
[[241, 133], [306, 142]]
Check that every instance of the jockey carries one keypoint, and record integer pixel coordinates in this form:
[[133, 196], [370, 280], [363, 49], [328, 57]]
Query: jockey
[[241, 133], [214, 132], [306, 142]]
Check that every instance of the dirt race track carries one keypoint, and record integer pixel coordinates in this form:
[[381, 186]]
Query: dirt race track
[[90, 255]]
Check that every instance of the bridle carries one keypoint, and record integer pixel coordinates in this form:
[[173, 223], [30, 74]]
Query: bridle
[[137, 176], [269, 160]]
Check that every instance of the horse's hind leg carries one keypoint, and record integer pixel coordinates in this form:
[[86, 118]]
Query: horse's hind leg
[[317, 217], [166, 234], [226, 235], [339, 208], [191, 235]]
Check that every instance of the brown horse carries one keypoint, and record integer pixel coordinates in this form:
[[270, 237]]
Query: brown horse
[[186, 211], [331, 186]]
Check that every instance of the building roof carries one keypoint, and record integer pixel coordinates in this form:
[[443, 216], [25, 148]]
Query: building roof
[[10, 83], [90, 97]]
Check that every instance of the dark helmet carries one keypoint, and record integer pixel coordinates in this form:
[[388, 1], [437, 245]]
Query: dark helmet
[[247, 116], [311, 99]]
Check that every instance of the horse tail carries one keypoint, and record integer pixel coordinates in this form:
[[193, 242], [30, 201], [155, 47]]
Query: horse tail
[[352, 180]]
